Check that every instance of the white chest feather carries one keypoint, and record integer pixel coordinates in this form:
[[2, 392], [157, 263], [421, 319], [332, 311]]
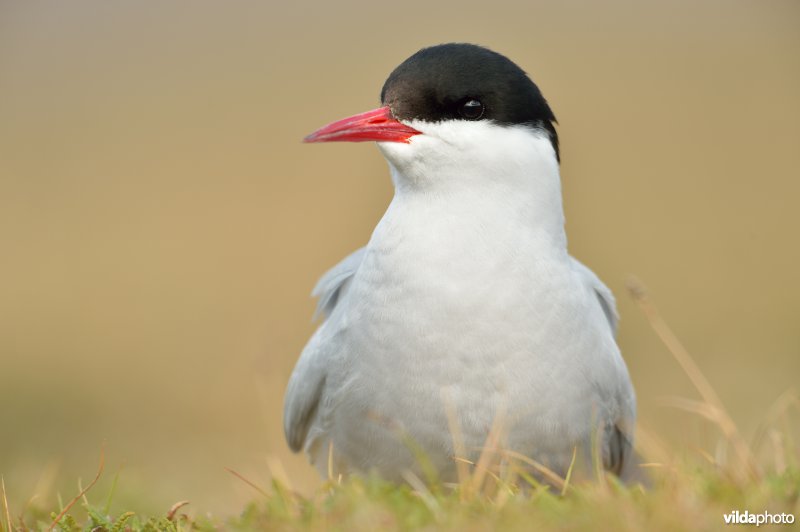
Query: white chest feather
[[465, 291]]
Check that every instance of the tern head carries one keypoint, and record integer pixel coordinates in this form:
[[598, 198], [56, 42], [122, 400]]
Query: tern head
[[453, 113]]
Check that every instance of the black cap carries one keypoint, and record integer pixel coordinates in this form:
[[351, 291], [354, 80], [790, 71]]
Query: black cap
[[459, 81]]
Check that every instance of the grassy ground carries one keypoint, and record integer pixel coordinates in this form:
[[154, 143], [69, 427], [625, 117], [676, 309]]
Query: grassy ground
[[688, 489], [685, 497]]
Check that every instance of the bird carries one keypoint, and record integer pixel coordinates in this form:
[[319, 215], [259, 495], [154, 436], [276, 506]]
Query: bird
[[465, 306]]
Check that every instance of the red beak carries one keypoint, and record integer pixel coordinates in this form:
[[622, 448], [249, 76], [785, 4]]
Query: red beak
[[378, 125]]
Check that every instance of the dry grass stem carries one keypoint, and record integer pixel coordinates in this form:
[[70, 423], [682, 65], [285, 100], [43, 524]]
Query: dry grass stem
[[459, 451], [714, 409], [248, 482], [278, 473], [490, 449], [83, 492], [330, 461], [569, 471], [545, 471], [174, 509], [6, 512]]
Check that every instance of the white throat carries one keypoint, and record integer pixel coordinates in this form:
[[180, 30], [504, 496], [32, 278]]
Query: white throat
[[494, 177]]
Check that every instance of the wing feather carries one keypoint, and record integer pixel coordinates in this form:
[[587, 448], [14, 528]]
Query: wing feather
[[604, 295], [307, 383], [330, 285]]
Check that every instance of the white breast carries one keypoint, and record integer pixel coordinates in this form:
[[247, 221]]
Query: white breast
[[467, 292]]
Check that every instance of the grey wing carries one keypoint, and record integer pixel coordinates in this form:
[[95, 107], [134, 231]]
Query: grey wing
[[619, 456], [304, 393], [604, 295], [622, 459], [618, 449], [330, 285], [307, 383]]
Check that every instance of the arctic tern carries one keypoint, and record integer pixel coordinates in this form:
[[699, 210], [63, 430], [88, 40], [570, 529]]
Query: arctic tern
[[465, 305]]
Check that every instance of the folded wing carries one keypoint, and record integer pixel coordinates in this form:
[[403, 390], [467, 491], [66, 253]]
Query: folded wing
[[307, 383]]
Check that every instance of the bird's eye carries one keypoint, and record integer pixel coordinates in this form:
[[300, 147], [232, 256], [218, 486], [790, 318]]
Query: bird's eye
[[471, 109]]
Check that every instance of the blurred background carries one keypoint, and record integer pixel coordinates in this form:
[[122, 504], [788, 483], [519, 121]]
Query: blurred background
[[161, 224]]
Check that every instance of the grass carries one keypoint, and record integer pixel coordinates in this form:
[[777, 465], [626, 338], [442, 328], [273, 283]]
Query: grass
[[689, 489], [686, 497]]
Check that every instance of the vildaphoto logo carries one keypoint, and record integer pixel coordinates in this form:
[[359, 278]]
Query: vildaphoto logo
[[764, 518]]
